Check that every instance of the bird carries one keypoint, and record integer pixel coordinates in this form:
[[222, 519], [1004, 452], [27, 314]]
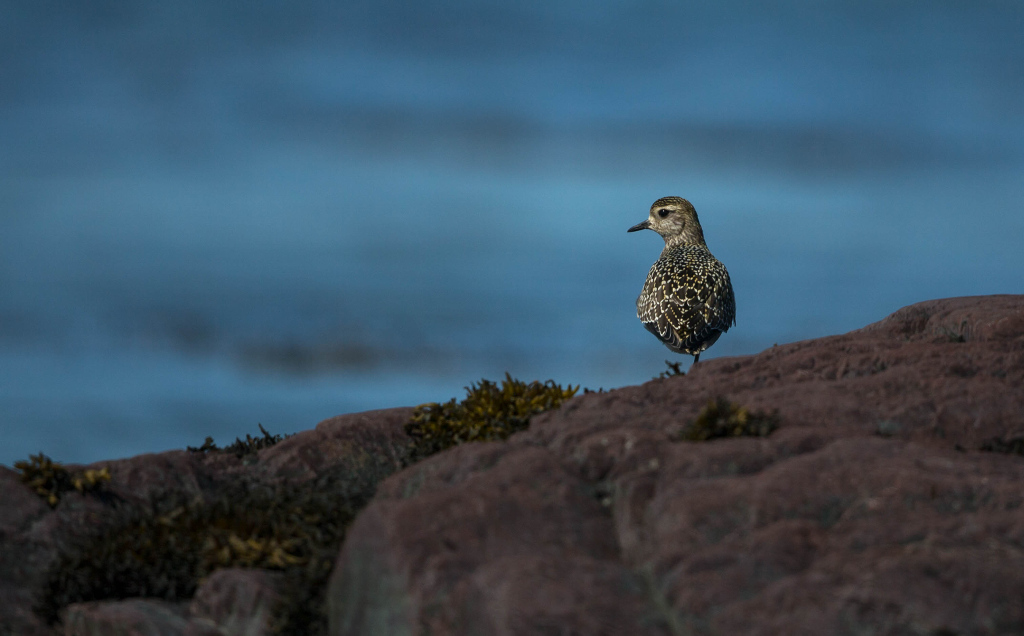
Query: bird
[[687, 300]]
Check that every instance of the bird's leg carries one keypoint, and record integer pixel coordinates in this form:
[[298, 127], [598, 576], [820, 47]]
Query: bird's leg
[[696, 356]]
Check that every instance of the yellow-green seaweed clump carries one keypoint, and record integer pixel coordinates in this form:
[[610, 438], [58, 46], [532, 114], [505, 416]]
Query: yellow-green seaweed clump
[[489, 412], [722, 418], [50, 480]]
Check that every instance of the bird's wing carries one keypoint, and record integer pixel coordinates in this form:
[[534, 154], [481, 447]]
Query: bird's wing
[[686, 302], [720, 304]]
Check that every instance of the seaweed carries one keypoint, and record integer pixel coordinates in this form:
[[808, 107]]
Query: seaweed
[[50, 480], [240, 448], [674, 369], [722, 418], [208, 446], [489, 412], [163, 549]]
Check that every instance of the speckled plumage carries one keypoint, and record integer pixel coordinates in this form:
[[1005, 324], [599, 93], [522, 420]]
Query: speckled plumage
[[687, 301]]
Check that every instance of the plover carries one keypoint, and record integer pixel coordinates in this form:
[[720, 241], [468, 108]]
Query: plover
[[687, 301]]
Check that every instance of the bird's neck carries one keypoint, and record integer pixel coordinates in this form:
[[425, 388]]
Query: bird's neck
[[686, 237]]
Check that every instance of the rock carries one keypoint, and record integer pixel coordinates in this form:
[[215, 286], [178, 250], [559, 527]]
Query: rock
[[231, 602], [441, 538], [358, 450], [154, 474], [132, 617], [966, 319], [236, 601], [870, 510], [366, 447], [20, 508], [938, 389]]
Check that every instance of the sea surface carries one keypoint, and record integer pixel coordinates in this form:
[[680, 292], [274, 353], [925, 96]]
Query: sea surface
[[212, 219]]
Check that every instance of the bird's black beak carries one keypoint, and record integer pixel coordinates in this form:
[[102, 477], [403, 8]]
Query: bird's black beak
[[644, 225]]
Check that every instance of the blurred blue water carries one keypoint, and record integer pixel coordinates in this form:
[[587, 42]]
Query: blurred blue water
[[210, 219]]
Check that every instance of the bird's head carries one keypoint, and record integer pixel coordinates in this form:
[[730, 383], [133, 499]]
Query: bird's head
[[675, 220]]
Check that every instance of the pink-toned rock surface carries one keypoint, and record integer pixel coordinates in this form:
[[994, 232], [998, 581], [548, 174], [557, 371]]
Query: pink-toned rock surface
[[231, 602], [471, 547], [236, 601], [373, 444], [132, 617], [870, 511]]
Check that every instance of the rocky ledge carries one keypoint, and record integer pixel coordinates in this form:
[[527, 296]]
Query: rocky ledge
[[888, 500]]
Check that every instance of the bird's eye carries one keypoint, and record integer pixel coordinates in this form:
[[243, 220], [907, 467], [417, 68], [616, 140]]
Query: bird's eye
[[664, 213]]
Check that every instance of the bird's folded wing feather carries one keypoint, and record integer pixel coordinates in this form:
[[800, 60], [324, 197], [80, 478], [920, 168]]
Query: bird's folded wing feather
[[684, 305]]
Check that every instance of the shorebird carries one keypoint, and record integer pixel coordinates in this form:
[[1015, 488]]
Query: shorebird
[[687, 301]]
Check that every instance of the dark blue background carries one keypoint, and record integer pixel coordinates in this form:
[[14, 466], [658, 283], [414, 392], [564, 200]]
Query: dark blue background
[[214, 217]]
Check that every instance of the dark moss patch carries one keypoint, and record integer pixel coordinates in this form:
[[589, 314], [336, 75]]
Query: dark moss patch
[[163, 549], [240, 448], [50, 480], [489, 412], [1012, 445], [722, 418]]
